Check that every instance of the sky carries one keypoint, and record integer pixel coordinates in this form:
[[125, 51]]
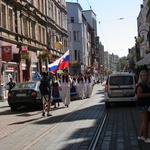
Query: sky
[[116, 23]]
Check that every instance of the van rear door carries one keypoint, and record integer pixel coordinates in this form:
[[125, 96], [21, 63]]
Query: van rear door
[[121, 86]]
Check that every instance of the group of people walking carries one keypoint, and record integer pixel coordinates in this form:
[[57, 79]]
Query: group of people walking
[[64, 88]]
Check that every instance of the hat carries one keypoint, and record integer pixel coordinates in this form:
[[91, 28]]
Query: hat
[[65, 69]]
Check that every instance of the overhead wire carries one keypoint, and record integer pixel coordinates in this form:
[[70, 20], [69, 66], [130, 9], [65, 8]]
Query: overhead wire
[[104, 37]]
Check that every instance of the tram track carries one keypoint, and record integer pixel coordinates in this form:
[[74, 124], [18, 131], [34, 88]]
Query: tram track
[[119, 127], [98, 131]]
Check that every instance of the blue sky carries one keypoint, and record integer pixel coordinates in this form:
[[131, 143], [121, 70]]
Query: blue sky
[[117, 35]]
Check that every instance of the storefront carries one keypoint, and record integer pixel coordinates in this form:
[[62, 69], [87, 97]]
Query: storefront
[[9, 70]]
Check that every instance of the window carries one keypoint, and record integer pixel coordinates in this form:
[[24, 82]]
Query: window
[[55, 14], [75, 54], [52, 12], [59, 18], [10, 20], [32, 30], [42, 6], [121, 80], [76, 36], [39, 5], [43, 65], [25, 29], [3, 16], [40, 39], [72, 19], [43, 36], [33, 67]]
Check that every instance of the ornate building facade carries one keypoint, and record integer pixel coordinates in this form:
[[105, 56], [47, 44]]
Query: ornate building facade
[[27, 27]]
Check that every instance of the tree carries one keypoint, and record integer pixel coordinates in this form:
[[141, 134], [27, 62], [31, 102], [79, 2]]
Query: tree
[[123, 62]]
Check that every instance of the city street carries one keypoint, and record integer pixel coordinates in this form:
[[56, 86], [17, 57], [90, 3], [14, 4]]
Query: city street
[[71, 128]]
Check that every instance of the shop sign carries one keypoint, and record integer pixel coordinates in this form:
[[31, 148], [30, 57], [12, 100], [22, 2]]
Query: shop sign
[[10, 68], [24, 49], [6, 53]]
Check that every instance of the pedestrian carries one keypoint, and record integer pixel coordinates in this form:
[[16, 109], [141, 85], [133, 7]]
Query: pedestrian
[[143, 94], [73, 88], [65, 87], [81, 86], [88, 85], [45, 89], [56, 94], [10, 84]]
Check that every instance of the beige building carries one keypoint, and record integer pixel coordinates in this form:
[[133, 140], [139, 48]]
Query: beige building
[[26, 29]]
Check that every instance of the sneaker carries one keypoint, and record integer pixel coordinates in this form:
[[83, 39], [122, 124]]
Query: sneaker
[[43, 114], [49, 114], [147, 140], [141, 138]]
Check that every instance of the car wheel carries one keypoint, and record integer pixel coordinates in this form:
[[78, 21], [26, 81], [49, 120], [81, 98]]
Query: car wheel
[[13, 108], [107, 104]]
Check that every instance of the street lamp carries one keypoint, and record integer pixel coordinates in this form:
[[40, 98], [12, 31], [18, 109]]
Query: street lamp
[[139, 40], [57, 45]]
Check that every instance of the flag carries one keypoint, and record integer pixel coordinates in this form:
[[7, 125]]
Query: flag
[[61, 63]]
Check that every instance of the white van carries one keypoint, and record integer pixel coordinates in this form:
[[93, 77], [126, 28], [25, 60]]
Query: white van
[[120, 87]]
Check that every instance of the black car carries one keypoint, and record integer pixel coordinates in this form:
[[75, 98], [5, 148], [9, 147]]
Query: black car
[[25, 94]]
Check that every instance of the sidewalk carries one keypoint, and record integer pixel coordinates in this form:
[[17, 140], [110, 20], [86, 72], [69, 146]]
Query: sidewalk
[[4, 104], [68, 128]]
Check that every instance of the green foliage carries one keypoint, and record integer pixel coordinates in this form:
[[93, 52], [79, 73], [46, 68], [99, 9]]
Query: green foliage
[[123, 62]]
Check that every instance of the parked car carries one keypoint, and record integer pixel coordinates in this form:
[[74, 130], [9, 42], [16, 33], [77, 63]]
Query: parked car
[[120, 87], [25, 94]]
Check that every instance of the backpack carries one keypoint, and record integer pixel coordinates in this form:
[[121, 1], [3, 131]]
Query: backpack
[[44, 87]]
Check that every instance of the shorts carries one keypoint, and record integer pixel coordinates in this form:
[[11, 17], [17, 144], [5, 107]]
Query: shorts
[[143, 108], [46, 99]]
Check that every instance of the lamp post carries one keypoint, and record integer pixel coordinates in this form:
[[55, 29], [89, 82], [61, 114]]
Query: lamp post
[[139, 40]]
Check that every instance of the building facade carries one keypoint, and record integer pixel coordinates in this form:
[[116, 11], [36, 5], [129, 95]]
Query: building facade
[[82, 31], [28, 29]]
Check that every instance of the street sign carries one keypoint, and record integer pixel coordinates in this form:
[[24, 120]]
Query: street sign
[[36, 76]]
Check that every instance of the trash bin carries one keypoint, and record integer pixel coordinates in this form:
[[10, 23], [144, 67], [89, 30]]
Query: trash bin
[[1, 92]]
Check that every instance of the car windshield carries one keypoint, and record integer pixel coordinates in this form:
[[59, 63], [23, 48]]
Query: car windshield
[[25, 85], [121, 80]]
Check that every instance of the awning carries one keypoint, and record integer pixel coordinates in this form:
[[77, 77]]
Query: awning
[[144, 61]]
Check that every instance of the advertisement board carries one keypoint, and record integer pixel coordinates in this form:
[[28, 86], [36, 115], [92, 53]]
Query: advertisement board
[[6, 53]]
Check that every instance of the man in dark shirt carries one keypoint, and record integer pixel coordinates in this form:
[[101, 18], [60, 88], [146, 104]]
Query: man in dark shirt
[[10, 84], [45, 89]]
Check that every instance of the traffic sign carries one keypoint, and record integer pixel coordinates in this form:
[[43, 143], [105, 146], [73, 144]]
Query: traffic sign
[[36, 76]]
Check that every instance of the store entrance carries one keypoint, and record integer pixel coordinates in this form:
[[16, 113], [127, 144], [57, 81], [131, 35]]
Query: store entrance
[[6, 78]]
